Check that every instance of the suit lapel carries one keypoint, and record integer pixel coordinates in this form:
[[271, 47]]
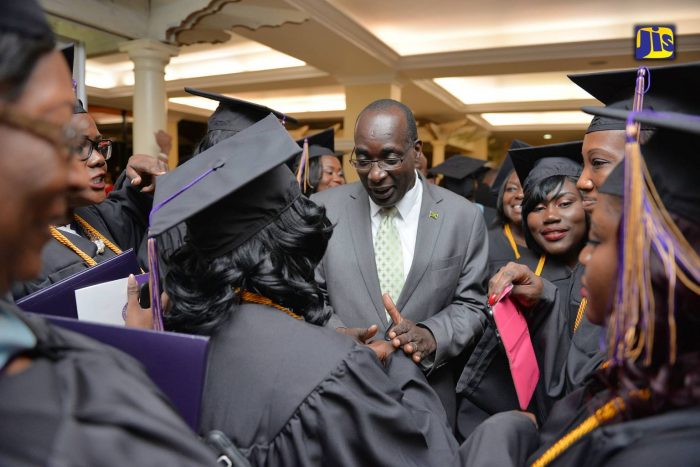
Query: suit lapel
[[361, 233], [429, 225]]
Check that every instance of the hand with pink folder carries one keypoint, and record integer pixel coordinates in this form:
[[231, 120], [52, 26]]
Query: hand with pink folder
[[514, 334]]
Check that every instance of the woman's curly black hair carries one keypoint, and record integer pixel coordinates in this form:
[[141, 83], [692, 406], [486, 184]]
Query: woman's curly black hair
[[278, 262]]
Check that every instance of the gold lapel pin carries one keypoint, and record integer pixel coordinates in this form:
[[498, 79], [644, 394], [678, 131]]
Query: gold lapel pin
[[434, 215]]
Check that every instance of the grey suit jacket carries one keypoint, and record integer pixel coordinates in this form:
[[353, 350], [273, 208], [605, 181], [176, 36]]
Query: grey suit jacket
[[445, 289]]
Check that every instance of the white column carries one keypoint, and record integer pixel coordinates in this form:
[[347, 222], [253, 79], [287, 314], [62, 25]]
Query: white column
[[150, 103]]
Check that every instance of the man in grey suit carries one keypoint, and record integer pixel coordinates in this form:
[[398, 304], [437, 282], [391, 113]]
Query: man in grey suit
[[396, 233]]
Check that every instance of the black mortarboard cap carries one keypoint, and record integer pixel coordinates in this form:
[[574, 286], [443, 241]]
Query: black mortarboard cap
[[672, 156], [25, 18], [78, 107], [234, 114], [458, 167], [199, 189], [320, 144], [460, 173], [507, 166], [616, 90], [199, 192], [537, 163], [615, 183], [69, 54]]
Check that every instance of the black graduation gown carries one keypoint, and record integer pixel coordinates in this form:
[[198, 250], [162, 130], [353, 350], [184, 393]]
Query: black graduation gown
[[290, 393], [122, 218], [81, 403], [665, 439], [669, 438], [501, 253], [565, 359], [485, 386]]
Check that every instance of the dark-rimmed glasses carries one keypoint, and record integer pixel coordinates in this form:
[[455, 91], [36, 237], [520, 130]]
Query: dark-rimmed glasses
[[387, 165], [103, 147]]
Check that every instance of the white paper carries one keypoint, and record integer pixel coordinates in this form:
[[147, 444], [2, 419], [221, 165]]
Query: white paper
[[102, 303]]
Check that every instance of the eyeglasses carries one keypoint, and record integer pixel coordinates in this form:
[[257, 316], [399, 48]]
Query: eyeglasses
[[365, 165], [65, 139], [103, 146]]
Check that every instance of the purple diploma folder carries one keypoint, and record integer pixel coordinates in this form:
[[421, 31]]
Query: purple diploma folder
[[59, 299], [177, 363]]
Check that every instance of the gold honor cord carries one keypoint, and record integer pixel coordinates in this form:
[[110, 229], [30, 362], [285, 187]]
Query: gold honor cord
[[251, 297], [540, 265], [96, 233], [509, 235], [580, 312], [601, 416], [63, 240]]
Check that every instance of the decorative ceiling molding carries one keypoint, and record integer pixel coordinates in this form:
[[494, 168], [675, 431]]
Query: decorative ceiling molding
[[282, 75], [326, 14], [538, 53], [429, 86], [112, 17], [211, 23]]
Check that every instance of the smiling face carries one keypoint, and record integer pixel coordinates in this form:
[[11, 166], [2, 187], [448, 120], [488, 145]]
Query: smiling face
[[602, 151], [599, 257], [512, 199], [384, 135], [35, 174], [95, 167], [331, 173], [558, 224]]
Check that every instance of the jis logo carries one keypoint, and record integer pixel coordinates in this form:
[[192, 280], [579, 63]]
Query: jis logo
[[654, 42]]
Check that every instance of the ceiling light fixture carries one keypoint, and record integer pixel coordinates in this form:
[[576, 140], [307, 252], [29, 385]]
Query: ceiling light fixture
[[287, 104], [523, 87], [536, 118]]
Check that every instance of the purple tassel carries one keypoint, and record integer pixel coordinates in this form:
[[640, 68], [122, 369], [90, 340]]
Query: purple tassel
[[154, 282]]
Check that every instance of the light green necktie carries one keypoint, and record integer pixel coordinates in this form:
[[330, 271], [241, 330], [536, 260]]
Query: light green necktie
[[389, 255]]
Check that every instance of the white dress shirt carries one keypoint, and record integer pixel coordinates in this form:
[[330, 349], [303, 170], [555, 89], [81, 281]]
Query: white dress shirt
[[406, 222]]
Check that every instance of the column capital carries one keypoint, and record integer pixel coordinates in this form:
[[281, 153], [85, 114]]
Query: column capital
[[149, 48]]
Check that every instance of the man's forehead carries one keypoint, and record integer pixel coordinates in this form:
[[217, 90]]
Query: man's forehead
[[381, 126]]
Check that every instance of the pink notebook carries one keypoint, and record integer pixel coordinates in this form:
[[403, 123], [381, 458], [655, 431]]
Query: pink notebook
[[515, 336]]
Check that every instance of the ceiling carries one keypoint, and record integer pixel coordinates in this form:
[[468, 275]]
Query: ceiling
[[480, 63]]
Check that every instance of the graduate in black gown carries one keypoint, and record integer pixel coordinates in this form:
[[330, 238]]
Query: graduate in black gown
[[555, 228], [556, 225], [506, 235], [462, 175], [285, 389], [102, 226], [65, 400], [643, 408], [323, 165]]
